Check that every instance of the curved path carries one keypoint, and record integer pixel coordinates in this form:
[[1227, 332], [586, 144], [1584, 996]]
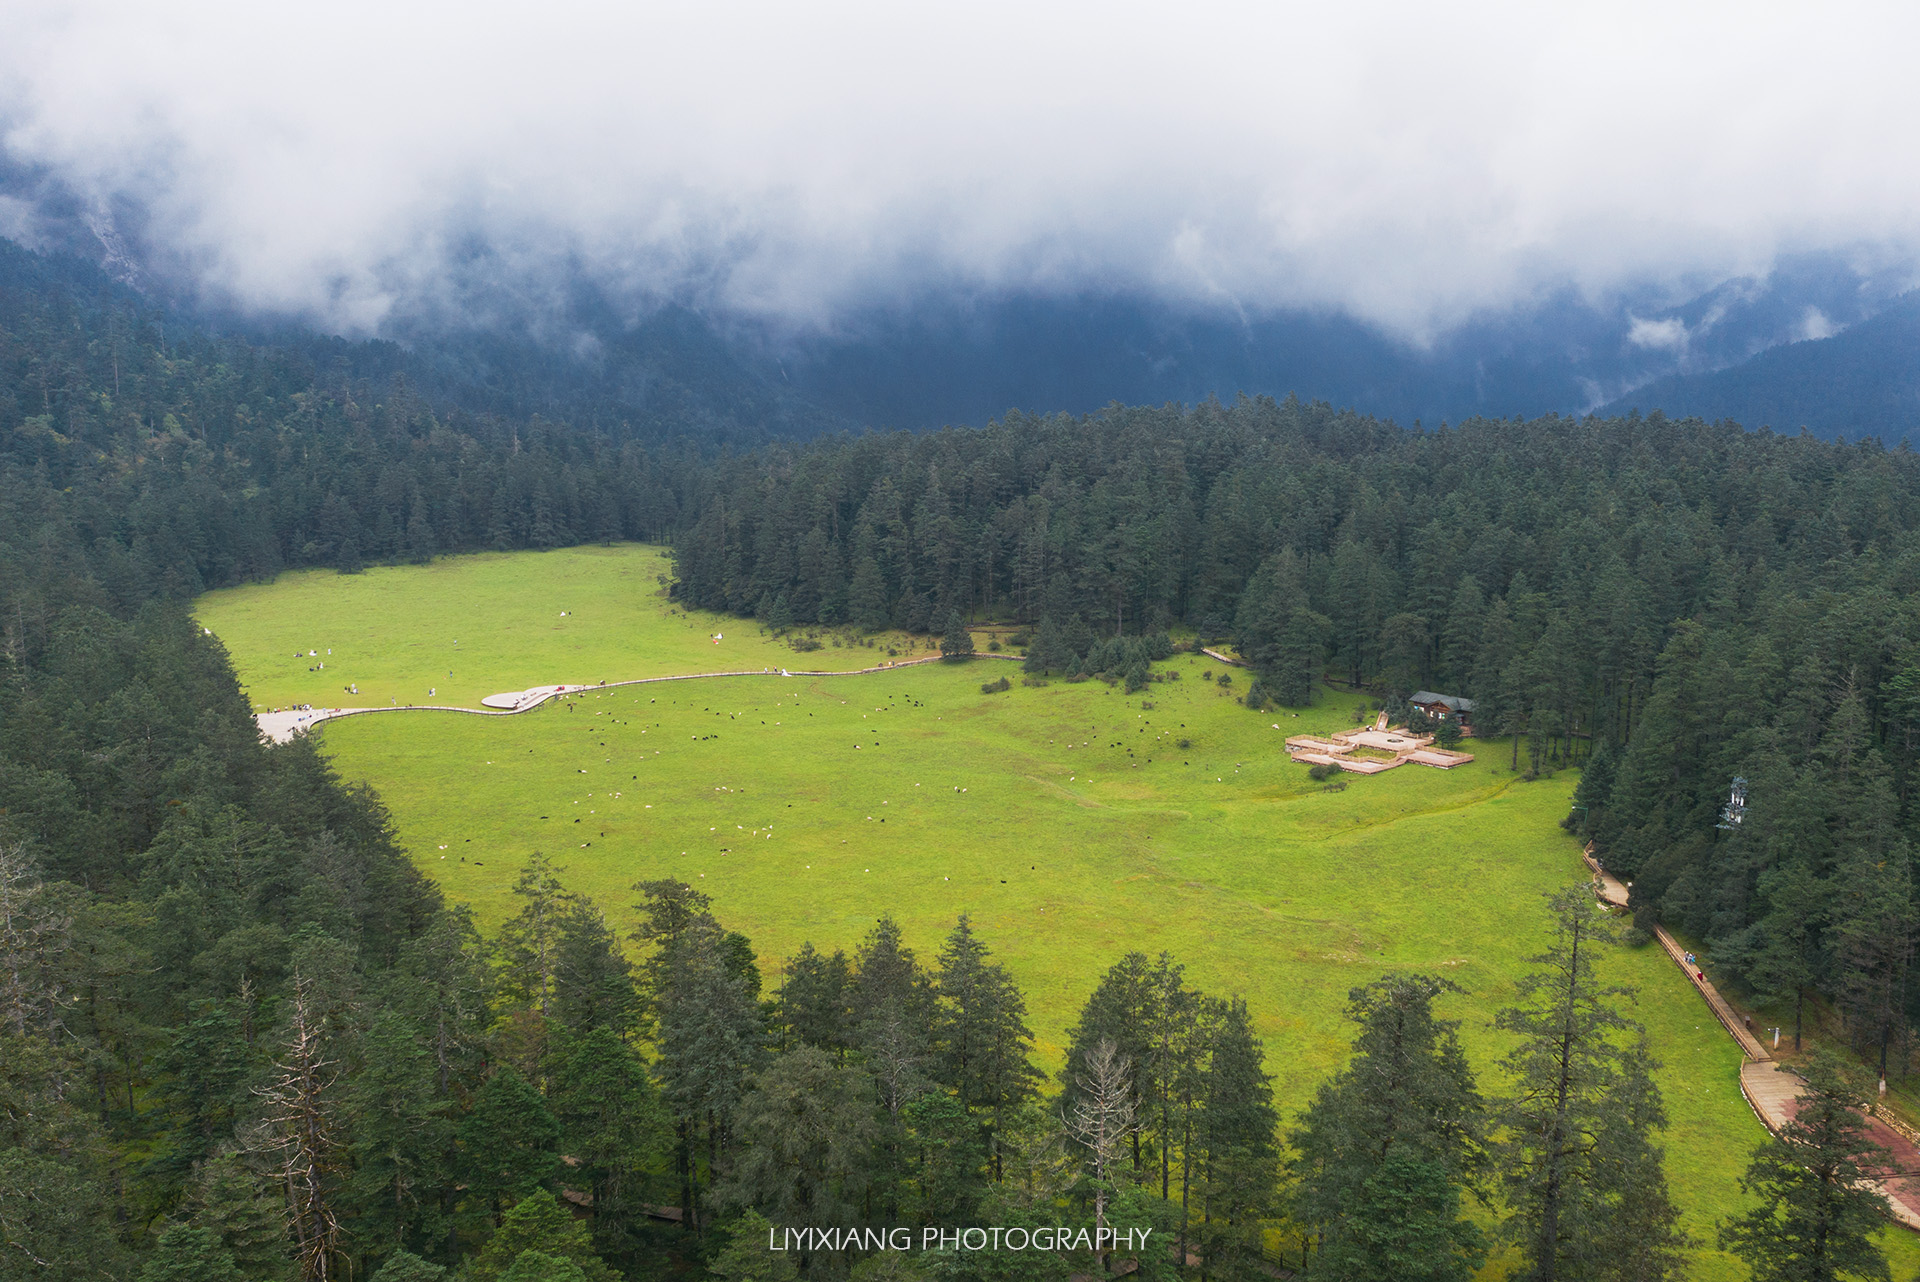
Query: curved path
[[1771, 1089], [278, 726]]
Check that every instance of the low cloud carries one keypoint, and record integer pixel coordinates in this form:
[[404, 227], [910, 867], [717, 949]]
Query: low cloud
[[1814, 324], [1669, 335], [1406, 164]]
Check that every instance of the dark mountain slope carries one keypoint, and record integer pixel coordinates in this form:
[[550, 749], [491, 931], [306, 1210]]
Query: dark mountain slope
[[1863, 382]]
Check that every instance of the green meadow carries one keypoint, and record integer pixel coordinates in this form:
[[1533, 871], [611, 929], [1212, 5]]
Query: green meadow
[[1073, 822], [466, 627]]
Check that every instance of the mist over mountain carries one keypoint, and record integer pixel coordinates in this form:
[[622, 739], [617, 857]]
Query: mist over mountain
[[965, 360], [780, 220], [1819, 341], [1864, 381]]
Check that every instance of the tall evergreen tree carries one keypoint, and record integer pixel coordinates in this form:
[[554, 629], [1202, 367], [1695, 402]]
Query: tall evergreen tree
[[592, 979], [711, 1039], [1279, 633], [956, 642], [1238, 1150], [538, 1224], [506, 1144], [1383, 1154], [812, 1006], [529, 942], [1819, 1213], [186, 1254], [615, 1128], [811, 1128], [980, 1034], [1584, 1182]]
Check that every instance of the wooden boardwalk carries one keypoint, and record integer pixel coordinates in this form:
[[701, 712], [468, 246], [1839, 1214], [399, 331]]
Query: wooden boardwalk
[[278, 726], [1771, 1089]]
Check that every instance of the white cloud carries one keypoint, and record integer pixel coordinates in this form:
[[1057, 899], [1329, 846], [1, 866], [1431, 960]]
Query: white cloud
[[1816, 324], [1409, 163], [1668, 335]]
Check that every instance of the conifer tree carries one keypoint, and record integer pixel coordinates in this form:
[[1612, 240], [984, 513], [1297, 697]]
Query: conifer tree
[[811, 1129], [668, 910], [867, 595], [1645, 1243], [1384, 1152], [204, 1090], [1118, 1011], [1048, 651], [1785, 956], [1460, 635], [401, 1138], [1590, 795], [538, 1223], [745, 1257], [187, 1254], [528, 945], [1239, 1158], [241, 1206], [506, 1143], [614, 1125], [711, 1039], [811, 1008], [445, 985], [593, 980], [957, 642], [1818, 1214], [534, 1265], [1279, 633], [1583, 1179], [980, 1034], [949, 1173], [405, 1266]]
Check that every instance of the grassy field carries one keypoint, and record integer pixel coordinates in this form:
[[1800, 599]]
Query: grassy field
[[1068, 820], [466, 627]]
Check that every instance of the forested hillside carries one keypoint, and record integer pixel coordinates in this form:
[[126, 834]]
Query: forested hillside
[[240, 1037], [1684, 602]]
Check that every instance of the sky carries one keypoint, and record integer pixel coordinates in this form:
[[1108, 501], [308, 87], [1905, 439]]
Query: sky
[[1407, 164]]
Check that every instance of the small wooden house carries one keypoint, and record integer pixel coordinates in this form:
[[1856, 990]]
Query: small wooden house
[[1444, 707]]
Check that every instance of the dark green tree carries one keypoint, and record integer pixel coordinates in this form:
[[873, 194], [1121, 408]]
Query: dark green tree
[[592, 979], [711, 1039], [528, 946], [538, 1223], [1279, 632], [1237, 1158], [614, 1126], [1387, 1147], [241, 1205], [980, 1036], [956, 642], [401, 1133], [538, 1266], [745, 1257], [187, 1254], [811, 1008], [1819, 1213], [506, 1143], [811, 1128], [405, 1266], [1583, 1189]]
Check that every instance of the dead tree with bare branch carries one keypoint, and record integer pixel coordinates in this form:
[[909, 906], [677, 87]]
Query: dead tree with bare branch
[[1102, 1118], [299, 1132]]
